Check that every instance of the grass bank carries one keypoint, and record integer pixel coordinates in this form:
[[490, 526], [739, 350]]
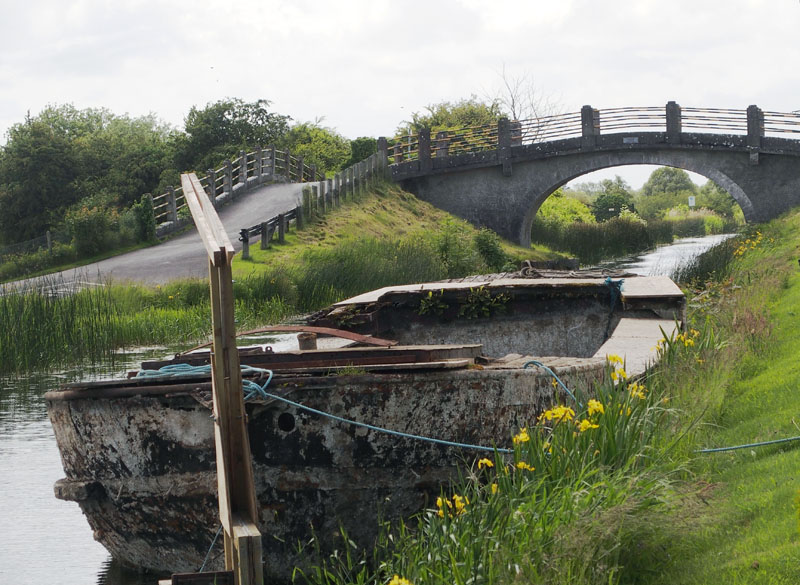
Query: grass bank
[[615, 491]]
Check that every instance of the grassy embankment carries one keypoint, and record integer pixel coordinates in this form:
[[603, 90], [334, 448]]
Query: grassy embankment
[[615, 492], [386, 237]]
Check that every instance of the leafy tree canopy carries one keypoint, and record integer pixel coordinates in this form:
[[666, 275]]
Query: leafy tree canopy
[[322, 147], [610, 202], [668, 180], [361, 148], [222, 128], [453, 116], [562, 210], [714, 197]]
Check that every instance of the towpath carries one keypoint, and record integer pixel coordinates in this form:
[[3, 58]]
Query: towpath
[[182, 256]]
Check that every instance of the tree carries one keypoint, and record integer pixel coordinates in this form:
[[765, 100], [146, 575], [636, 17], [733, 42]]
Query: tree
[[616, 195], [453, 116], [221, 129], [322, 147], [361, 148], [520, 99], [38, 168], [714, 197], [668, 180], [561, 210]]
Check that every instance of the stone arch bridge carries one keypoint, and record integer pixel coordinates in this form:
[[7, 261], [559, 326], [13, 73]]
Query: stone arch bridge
[[498, 176]]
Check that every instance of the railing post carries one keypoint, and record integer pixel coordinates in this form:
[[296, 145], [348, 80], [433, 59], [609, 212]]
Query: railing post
[[516, 133], [244, 237], [272, 161], [313, 173], [300, 169], [307, 207], [49, 238], [281, 228], [258, 163], [322, 202], [264, 244], [504, 145], [243, 168], [424, 138], [172, 208], [337, 187], [227, 185], [287, 166], [212, 184], [755, 126], [351, 182], [298, 217], [442, 144], [590, 127], [397, 153], [673, 123], [329, 192], [315, 209]]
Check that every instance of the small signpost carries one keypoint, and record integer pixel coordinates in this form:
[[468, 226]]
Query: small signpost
[[238, 509], [691, 201]]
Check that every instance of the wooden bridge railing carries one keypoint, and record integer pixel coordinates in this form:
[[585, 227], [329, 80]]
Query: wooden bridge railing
[[589, 123]]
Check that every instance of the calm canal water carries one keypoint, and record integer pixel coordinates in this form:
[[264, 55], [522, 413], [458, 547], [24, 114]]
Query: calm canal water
[[45, 540]]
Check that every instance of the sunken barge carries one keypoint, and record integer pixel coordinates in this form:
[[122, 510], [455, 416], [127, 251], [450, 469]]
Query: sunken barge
[[139, 453]]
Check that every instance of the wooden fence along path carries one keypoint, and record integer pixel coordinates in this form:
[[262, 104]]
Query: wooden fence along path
[[269, 165]]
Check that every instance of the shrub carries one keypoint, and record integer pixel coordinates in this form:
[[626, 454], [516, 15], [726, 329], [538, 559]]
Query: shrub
[[488, 245], [92, 227]]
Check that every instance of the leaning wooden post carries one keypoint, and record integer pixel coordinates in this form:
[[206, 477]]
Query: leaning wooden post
[[238, 508]]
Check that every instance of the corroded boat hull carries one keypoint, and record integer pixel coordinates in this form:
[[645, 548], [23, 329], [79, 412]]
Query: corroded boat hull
[[139, 456]]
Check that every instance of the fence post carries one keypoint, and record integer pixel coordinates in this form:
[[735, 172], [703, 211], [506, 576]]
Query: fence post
[[516, 133], [398, 153], [442, 144], [673, 123], [172, 208], [315, 208], [313, 173], [281, 228], [211, 188], [755, 126], [351, 181], [307, 202], [504, 145], [272, 162], [227, 184], [337, 186], [49, 237], [243, 168], [288, 166], [322, 203], [257, 163], [300, 169], [298, 217], [264, 235], [244, 238], [425, 162], [590, 127]]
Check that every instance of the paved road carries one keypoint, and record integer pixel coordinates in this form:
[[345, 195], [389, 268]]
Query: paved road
[[184, 256]]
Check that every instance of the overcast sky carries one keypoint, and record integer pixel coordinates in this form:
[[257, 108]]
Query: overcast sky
[[366, 65]]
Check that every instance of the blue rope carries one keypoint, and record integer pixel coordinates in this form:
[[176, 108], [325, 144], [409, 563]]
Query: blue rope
[[748, 446], [253, 389], [210, 548], [557, 379]]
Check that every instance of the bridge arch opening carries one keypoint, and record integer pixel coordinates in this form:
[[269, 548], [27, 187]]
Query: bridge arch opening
[[605, 161]]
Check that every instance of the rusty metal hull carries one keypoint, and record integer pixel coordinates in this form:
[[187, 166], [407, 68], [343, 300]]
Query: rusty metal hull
[[142, 466]]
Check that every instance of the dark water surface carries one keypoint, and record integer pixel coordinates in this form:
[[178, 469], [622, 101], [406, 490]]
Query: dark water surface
[[47, 541]]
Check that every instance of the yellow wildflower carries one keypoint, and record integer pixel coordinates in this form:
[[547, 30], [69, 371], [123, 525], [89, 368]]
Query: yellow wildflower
[[595, 407], [522, 436], [525, 466], [621, 411], [494, 488], [460, 503], [619, 374], [558, 414], [485, 463], [398, 580], [586, 424], [614, 359], [637, 390]]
